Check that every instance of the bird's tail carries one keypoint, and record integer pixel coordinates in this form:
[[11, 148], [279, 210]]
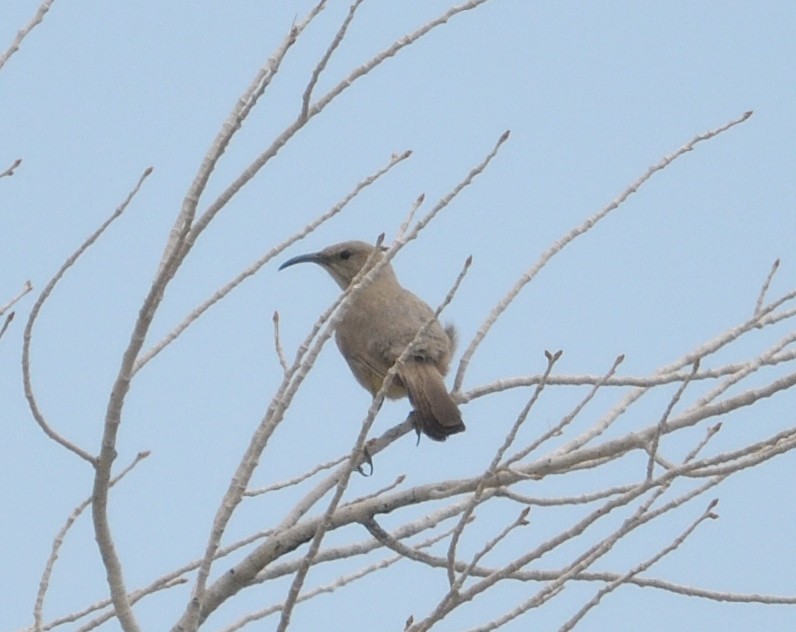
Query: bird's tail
[[435, 414]]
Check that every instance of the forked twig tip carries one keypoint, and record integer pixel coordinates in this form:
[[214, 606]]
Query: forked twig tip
[[553, 357]]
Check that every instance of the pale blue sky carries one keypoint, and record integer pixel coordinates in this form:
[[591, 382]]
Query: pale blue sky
[[593, 93]]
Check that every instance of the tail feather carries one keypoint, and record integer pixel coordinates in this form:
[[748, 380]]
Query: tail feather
[[436, 414]]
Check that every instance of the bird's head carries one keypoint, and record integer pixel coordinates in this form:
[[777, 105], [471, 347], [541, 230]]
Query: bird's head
[[342, 261]]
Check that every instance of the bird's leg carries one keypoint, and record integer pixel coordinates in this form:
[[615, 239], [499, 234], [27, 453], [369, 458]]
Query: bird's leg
[[417, 424], [365, 458]]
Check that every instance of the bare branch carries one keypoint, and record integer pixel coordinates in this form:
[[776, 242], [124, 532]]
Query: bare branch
[[629, 480], [563, 500], [639, 518], [651, 381], [180, 237], [341, 581], [34, 312], [107, 616], [273, 417], [44, 583], [767, 316], [570, 625], [748, 369], [587, 225], [171, 579], [558, 428], [316, 73], [456, 583], [273, 252], [23, 33], [314, 110]]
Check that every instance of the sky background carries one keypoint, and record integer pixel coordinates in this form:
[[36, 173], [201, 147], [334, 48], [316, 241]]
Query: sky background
[[593, 95]]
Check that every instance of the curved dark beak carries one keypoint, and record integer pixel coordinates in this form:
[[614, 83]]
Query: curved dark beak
[[314, 257]]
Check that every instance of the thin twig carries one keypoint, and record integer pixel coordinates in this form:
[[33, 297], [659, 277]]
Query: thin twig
[[321, 65], [520, 521], [766, 285], [427, 522], [34, 312], [749, 367], [399, 480], [662, 423], [558, 501], [295, 481], [135, 597], [410, 216], [10, 170], [6, 323], [280, 352], [559, 427], [23, 33], [25, 289], [407, 552]]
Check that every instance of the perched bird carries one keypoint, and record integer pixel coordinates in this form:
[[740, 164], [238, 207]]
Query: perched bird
[[381, 321]]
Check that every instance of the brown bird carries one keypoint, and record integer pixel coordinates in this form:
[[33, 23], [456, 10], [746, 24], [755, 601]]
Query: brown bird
[[381, 321]]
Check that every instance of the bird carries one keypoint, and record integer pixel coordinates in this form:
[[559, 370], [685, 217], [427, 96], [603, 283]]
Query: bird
[[380, 322]]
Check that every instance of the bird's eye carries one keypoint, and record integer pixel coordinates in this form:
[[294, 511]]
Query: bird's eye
[[345, 254]]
